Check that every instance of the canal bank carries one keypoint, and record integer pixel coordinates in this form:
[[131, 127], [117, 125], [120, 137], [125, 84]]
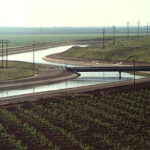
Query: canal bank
[[85, 80], [107, 87], [48, 77]]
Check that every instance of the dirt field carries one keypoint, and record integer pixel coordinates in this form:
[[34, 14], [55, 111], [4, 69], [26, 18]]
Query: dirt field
[[112, 117]]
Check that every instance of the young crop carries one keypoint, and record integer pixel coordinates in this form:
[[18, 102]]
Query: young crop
[[41, 139], [11, 139], [49, 125]]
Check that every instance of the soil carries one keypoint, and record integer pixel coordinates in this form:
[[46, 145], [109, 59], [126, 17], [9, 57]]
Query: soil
[[58, 138], [56, 97]]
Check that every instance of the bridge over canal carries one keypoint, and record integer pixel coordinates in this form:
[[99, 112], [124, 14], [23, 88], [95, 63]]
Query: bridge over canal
[[109, 69]]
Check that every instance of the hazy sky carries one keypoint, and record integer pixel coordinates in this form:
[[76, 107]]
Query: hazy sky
[[73, 12]]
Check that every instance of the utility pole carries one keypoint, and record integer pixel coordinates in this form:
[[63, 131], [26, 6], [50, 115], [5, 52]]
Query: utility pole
[[7, 53], [1, 43], [2, 53], [147, 30], [128, 30], [138, 29], [114, 34], [103, 38], [134, 70], [33, 57]]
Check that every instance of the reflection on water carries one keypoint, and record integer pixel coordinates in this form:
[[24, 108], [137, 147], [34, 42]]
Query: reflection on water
[[90, 78], [83, 80], [40, 54]]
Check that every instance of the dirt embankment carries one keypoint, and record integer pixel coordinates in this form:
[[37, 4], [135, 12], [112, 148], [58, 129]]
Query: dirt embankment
[[38, 80], [104, 88], [59, 58], [43, 78]]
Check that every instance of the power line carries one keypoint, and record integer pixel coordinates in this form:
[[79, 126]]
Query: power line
[[103, 38], [114, 34], [134, 70], [7, 53], [128, 31], [147, 30], [138, 29], [33, 56], [2, 53]]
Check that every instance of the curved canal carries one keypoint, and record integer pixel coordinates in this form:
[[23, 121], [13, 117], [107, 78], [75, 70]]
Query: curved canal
[[90, 78]]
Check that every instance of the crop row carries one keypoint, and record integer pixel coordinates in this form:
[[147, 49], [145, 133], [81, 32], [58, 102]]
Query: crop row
[[40, 138], [50, 125], [56, 113], [90, 120], [11, 139]]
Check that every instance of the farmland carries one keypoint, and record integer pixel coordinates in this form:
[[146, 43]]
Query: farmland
[[117, 119], [17, 70], [123, 50], [19, 36], [28, 39], [110, 119]]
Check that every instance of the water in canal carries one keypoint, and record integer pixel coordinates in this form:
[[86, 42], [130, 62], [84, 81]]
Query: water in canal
[[90, 78]]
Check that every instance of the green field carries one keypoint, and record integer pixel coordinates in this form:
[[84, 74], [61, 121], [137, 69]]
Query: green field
[[27, 39], [124, 50], [27, 35], [17, 70]]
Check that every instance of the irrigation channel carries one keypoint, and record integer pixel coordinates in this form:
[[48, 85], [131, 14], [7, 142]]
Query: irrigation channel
[[90, 78]]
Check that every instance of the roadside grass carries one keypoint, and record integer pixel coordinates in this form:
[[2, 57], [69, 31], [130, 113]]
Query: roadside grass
[[17, 70], [124, 50]]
